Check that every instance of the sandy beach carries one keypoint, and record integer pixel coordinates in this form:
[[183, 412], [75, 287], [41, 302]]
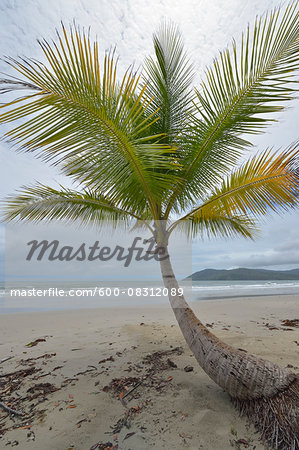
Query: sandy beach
[[72, 372]]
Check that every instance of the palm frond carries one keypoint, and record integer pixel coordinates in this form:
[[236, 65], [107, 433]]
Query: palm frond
[[243, 89], [43, 203], [82, 118], [215, 223], [168, 80], [267, 182]]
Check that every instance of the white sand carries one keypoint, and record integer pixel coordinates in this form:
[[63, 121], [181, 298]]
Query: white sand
[[185, 411]]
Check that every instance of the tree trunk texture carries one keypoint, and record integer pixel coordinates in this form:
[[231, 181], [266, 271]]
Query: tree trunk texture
[[267, 393]]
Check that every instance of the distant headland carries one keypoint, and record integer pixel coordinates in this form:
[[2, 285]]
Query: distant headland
[[244, 274]]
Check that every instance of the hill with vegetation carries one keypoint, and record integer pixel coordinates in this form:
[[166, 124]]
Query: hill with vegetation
[[244, 274]]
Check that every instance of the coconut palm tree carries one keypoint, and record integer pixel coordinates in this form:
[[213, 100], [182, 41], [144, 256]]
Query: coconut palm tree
[[150, 149]]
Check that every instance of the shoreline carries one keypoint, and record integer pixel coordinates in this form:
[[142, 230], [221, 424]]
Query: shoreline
[[70, 358], [240, 297], [129, 305]]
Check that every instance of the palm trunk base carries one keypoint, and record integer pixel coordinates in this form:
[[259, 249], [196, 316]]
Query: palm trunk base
[[263, 391], [277, 417]]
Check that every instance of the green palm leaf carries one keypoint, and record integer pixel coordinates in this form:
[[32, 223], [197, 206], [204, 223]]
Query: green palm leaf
[[84, 120], [43, 203], [242, 87], [168, 80], [267, 182], [215, 223]]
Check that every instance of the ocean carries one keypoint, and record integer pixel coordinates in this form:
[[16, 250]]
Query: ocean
[[127, 294]]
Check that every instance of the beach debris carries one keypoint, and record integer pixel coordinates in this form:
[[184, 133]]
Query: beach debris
[[20, 373], [210, 325], [30, 360], [270, 327], [171, 364], [81, 421], [124, 387], [118, 385], [287, 324], [12, 382], [12, 443], [21, 393], [69, 381], [163, 383], [107, 359], [133, 389], [128, 435], [89, 369], [104, 446], [18, 426], [95, 446], [155, 362], [188, 368], [30, 435], [10, 410], [244, 442], [185, 436], [126, 419], [42, 375], [294, 323], [237, 443], [34, 343], [233, 431], [158, 363], [41, 390], [6, 359]]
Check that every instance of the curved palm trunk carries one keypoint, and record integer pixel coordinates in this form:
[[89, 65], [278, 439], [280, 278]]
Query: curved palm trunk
[[264, 391]]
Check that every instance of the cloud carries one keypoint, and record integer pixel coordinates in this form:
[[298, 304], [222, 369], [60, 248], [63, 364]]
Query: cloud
[[262, 253], [287, 246]]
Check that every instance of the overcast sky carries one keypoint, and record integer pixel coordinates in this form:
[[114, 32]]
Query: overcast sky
[[208, 26]]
